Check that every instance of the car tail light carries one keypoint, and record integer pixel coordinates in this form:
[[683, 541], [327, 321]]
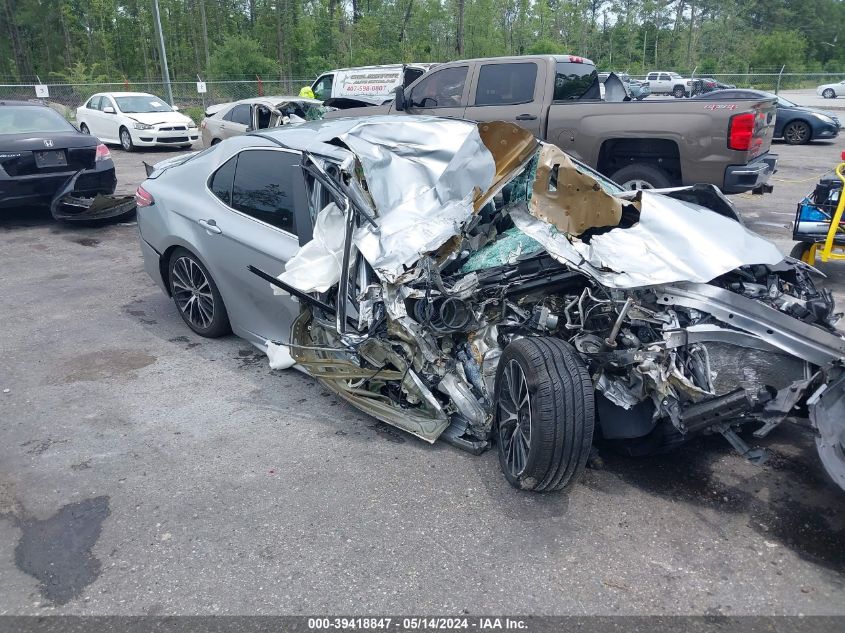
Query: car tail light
[[202, 124], [103, 153], [740, 131], [143, 198]]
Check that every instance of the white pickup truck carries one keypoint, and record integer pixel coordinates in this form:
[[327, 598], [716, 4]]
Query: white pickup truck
[[662, 82]]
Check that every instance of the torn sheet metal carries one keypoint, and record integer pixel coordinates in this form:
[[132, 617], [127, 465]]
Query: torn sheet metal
[[423, 177], [673, 241], [569, 199], [316, 266]]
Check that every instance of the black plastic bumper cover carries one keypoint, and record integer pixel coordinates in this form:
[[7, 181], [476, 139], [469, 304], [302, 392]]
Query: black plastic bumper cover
[[69, 205]]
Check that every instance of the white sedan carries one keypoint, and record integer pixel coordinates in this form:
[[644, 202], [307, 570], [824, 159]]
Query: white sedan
[[831, 91], [135, 119]]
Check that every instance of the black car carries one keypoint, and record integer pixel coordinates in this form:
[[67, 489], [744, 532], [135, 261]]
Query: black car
[[795, 124], [44, 160]]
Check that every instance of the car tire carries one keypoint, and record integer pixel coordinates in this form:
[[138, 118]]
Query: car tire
[[126, 139], [196, 295], [797, 133], [802, 251], [642, 176], [542, 382], [828, 93], [84, 129], [679, 92]]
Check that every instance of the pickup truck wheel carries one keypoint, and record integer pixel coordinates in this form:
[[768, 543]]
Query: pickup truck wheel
[[545, 414], [642, 176], [829, 93], [797, 133], [679, 92]]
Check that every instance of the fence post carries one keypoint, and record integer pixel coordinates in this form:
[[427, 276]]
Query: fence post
[[777, 89], [260, 86]]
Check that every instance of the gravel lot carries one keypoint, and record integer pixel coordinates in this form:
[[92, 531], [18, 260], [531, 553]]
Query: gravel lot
[[144, 470]]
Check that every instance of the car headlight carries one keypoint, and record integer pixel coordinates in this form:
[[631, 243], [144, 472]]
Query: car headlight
[[823, 118], [142, 126], [192, 124]]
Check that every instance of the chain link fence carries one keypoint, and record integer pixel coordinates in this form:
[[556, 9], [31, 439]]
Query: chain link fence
[[67, 97]]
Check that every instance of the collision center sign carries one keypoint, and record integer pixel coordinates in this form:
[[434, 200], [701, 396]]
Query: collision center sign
[[375, 83]]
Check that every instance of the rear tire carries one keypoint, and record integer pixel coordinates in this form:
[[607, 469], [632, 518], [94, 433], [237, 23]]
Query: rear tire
[[196, 295], [84, 129], [828, 93], [642, 176], [679, 92], [545, 414]]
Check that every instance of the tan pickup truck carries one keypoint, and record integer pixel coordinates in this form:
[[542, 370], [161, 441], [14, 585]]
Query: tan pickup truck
[[653, 143]]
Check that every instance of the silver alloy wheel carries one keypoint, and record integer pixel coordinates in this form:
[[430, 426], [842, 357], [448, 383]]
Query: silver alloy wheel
[[635, 184], [125, 139], [796, 133], [514, 414], [192, 292], [828, 93]]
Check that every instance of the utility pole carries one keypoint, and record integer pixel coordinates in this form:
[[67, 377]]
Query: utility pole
[[162, 53]]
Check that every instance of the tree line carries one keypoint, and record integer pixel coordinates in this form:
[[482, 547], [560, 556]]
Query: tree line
[[108, 40]]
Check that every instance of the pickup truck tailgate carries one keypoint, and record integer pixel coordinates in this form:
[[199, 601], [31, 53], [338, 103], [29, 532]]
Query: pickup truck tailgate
[[749, 137]]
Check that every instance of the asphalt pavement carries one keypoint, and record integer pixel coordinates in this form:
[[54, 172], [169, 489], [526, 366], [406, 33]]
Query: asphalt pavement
[[145, 470]]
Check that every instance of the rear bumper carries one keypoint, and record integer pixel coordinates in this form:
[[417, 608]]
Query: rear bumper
[[741, 178], [39, 189]]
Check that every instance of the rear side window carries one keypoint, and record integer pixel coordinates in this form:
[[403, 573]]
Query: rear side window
[[263, 186], [576, 81], [94, 103], [652, 76], [664, 77], [239, 114], [441, 89], [506, 84], [221, 181]]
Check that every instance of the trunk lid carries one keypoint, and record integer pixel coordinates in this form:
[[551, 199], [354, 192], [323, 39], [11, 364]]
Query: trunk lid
[[29, 154]]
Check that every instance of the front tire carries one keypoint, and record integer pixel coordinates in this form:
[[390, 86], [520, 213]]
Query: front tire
[[196, 295], [828, 93], [642, 176], [545, 414], [126, 140], [797, 133]]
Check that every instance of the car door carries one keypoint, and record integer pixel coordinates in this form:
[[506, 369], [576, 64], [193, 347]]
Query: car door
[[111, 121], [441, 92], [508, 91], [665, 82], [322, 88], [237, 121], [91, 117], [259, 199], [652, 82]]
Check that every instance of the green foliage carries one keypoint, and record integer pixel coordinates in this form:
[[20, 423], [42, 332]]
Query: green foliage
[[196, 114], [80, 73], [241, 56], [83, 41], [782, 48]]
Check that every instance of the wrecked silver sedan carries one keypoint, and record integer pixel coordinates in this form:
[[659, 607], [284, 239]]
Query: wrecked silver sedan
[[466, 282]]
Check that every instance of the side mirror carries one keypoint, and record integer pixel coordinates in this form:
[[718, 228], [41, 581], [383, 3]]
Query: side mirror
[[108, 110], [399, 102], [175, 108]]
